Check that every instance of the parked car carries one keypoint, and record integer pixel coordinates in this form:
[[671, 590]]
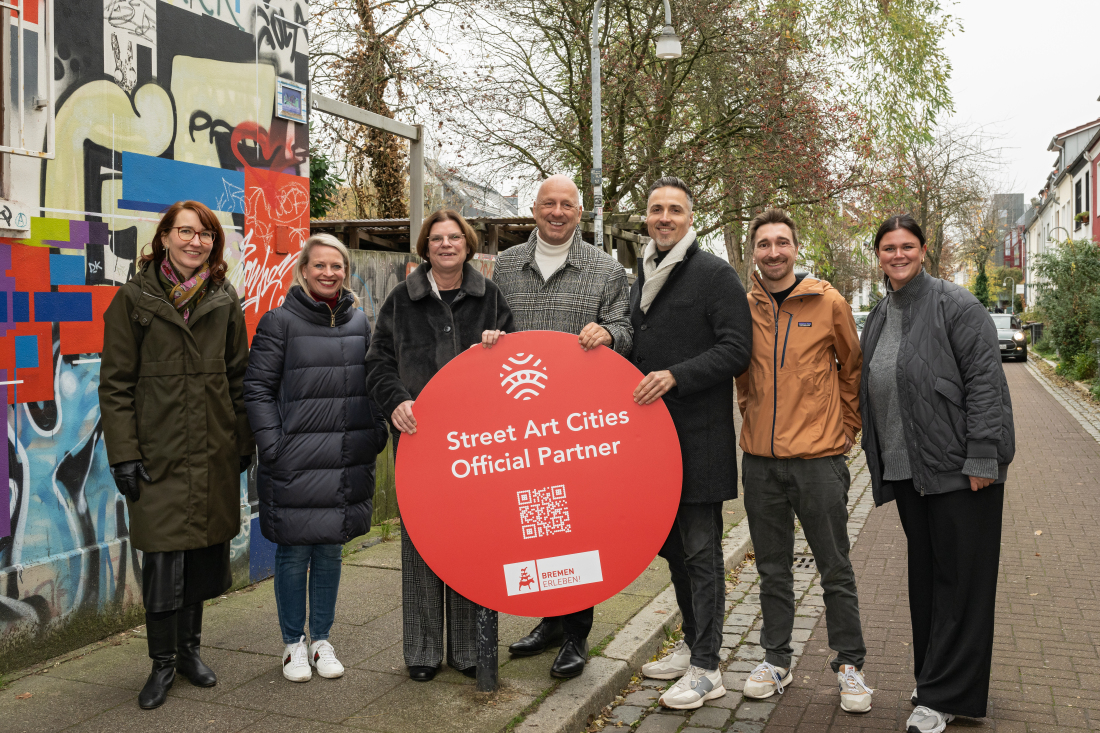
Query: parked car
[[1010, 335]]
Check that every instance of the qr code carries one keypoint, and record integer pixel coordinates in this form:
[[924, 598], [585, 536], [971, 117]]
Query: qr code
[[543, 512]]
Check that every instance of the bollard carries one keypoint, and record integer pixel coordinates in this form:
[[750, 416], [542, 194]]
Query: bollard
[[488, 670]]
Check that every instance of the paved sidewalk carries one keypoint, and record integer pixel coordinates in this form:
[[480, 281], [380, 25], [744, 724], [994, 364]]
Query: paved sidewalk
[[95, 689], [741, 651], [1046, 665]]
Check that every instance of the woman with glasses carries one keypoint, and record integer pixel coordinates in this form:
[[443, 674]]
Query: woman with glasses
[[438, 312], [175, 350], [318, 435]]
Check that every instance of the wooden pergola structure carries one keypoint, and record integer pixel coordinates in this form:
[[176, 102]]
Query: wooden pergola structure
[[624, 236]]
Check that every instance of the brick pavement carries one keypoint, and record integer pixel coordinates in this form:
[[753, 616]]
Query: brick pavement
[[1046, 665]]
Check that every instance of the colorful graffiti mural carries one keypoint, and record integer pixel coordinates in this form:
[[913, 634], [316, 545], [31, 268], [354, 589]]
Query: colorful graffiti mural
[[155, 101]]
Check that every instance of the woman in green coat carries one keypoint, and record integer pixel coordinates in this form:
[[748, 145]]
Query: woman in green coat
[[171, 392]]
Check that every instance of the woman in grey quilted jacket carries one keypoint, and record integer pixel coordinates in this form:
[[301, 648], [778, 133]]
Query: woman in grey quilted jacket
[[938, 436]]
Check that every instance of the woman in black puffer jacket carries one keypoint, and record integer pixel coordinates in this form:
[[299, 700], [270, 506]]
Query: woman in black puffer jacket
[[318, 435]]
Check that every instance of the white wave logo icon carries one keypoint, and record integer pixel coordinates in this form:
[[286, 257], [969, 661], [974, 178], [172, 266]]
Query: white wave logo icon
[[521, 378]]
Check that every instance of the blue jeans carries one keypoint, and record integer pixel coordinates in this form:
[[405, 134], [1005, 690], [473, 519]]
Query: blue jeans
[[291, 562]]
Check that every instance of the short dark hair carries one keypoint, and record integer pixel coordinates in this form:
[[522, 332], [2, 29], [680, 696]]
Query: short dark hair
[[672, 182], [772, 216], [446, 215], [899, 221]]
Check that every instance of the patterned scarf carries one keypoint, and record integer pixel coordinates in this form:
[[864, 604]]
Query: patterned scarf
[[184, 296]]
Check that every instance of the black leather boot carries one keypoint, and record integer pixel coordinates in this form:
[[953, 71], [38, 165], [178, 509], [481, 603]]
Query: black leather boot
[[188, 638], [548, 633], [571, 658], [161, 636]]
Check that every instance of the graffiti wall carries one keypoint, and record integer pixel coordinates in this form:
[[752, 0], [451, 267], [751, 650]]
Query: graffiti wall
[[152, 101]]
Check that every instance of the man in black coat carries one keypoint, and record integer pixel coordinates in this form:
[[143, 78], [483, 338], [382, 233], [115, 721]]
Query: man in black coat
[[692, 336]]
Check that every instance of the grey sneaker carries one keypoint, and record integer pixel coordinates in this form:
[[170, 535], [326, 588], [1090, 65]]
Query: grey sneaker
[[855, 695], [927, 720], [672, 665], [766, 680], [693, 689]]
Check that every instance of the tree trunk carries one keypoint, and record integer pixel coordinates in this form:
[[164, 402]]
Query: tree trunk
[[384, 169]]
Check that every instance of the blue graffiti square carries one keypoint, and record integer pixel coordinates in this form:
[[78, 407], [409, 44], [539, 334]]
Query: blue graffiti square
[[3, 307], [66, 270], [50, 307], [26, 352], [21, 307]]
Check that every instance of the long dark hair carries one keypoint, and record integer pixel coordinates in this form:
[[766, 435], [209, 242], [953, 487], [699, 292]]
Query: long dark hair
[[899, 221], [206, 216]]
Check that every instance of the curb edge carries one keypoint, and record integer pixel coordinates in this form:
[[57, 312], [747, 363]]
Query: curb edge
[[566, 709]]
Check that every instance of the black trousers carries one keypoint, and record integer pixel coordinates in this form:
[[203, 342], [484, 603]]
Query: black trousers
[[577, 624], [954, 550], [694, 554]]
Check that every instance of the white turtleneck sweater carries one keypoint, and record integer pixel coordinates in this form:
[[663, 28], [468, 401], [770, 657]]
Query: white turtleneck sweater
[[550, 257]]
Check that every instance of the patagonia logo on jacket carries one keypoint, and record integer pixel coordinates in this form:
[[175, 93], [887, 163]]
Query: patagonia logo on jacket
[[804, 324]]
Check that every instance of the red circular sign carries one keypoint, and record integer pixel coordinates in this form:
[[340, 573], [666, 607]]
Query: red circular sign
[[534, 485]]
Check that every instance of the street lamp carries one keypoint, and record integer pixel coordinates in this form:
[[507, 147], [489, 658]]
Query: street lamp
[[668, 47]]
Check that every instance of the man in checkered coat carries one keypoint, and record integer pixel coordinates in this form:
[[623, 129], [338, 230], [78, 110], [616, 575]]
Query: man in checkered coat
[[558, 282]]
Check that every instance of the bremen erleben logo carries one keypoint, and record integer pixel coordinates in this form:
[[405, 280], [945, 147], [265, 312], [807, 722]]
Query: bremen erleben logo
[[521, 378]]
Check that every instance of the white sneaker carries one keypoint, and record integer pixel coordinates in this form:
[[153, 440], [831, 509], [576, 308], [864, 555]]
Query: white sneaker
[[323, 657], [855, 695], [670, 666], [766, 680], [695, 687], [296, 662], [927, 720]]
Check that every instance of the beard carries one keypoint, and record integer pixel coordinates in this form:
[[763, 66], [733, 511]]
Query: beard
[[768, 272]]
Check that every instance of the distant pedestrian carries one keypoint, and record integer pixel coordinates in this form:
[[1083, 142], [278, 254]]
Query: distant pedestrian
[[440, 310], [175, 349], [318, 435], [799, 401], [692, 336], [558, 282], [939, 436]]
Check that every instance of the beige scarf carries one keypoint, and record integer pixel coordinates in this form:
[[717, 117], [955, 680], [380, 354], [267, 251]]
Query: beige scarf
[[655, 275]]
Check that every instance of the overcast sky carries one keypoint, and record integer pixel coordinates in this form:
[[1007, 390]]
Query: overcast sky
[[1026, 71]]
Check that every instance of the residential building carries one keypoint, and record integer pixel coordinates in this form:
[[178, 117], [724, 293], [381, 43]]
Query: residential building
[[1007, 208], [1058, 202], [451, 190]]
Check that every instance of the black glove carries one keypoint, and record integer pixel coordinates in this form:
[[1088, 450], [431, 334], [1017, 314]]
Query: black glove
[[246, 461], [126, 478]]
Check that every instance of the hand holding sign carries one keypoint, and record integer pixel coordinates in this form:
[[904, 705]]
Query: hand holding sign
[[534, 485]]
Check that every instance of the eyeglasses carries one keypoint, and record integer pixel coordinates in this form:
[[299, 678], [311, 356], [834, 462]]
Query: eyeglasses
[[206, 236], [452, 238]]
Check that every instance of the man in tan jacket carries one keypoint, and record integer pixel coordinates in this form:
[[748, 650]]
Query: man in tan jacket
[[799, 401]]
